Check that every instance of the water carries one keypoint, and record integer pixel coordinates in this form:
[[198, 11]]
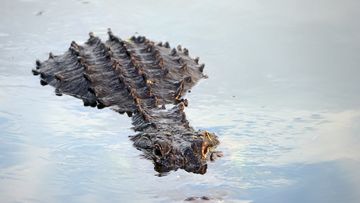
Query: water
[[283, 96]]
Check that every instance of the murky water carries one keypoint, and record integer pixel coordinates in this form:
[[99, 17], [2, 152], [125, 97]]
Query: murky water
[[283, 96]]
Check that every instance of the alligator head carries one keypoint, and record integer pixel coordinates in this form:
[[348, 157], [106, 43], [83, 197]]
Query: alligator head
[[138, 77], [189, 151]]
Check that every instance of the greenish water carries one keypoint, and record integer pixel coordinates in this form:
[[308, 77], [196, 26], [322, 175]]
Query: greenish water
[[282, 95]]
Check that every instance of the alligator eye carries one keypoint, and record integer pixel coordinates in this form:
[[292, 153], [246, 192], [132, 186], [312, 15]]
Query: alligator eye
[[157, 150], [204, 150]]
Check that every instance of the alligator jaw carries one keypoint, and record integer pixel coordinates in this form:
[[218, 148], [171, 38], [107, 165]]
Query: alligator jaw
[[171, 151]]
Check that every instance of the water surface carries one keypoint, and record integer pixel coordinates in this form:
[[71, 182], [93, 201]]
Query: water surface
[[283, 97]]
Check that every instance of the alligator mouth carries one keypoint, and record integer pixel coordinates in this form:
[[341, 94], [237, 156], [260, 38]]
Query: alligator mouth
[[188, 152]]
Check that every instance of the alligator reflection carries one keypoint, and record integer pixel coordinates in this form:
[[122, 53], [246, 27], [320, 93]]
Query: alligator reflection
[[139, 78]]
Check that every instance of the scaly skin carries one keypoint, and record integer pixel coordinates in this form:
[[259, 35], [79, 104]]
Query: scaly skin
[[140, 78]]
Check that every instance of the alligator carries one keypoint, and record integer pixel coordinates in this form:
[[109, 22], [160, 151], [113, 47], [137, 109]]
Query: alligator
[[148, 81]]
